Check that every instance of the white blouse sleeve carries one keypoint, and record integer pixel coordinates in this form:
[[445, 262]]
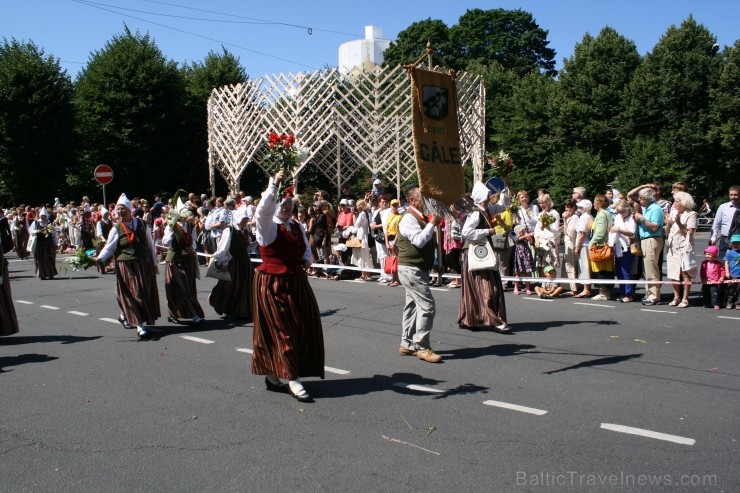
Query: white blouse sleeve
[[266, 227]]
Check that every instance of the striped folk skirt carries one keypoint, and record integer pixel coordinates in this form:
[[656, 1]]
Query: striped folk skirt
[[235, 297], [288, 339], [21, 243], [136, 290], [482, 301], [8, 319], [180, 289], [45, 259]]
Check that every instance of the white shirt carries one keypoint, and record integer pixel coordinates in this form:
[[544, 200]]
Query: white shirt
[[409, 228], [267, 222], [110, 247]]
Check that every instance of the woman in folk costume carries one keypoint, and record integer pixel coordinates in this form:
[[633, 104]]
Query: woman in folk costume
[[288, 339], [102, 229], [130, 241], [47, 240], [20, 236], [182, 268], [482, 296], [234, 297], [8, 319]]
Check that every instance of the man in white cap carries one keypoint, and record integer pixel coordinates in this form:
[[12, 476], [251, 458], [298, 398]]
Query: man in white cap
[[130, 241], [182, 268], [45, 250], [377, 187]]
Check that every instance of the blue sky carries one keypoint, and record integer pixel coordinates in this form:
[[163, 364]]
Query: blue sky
[[272, 37]]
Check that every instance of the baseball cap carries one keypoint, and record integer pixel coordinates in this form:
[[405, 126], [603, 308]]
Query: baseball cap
[[735, 239], [586, 204], [395, 202], [343, 202], [549, 268], [376, 181]]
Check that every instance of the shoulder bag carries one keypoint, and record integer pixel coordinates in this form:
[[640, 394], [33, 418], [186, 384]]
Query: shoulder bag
[[216, 273], [481, 256]]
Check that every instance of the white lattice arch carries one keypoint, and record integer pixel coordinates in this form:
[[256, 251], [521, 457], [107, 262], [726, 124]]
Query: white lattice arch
[[344, 122]]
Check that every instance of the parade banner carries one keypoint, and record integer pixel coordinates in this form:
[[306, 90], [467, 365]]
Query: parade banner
[[436, 136]]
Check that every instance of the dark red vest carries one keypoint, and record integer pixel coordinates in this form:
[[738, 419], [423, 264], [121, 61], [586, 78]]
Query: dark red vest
[[285, 254]]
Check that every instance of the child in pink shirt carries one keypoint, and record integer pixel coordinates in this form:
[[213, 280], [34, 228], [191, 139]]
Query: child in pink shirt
[[712, 274]]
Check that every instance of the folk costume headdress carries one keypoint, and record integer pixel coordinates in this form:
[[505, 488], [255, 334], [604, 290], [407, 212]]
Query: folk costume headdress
[[480, 193], [123, 200]]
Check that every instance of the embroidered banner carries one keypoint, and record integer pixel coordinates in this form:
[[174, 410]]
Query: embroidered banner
[[436, 137]]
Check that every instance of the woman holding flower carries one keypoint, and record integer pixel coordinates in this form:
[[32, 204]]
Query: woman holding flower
[[288, 338], [547, 235], [182, 267], [46, 246]]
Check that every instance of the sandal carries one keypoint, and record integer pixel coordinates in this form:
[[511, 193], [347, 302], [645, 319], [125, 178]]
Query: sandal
[[683, 304], [583, 295], [674, 302]]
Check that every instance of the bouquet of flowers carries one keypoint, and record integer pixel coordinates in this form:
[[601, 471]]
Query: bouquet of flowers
[[501, 164], [80, 260], [546, 220], [514, 206], [282, 154], [46, 230]]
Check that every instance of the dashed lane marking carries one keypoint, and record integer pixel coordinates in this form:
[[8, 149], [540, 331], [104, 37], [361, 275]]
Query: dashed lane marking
[[49, 307], [81, 314], [592, 304], [439, 289], [657, 311], [729, 318], [111, 320], [24, 302], [198, 339], [649, 434], [336, 370], [419, 388], [244, 350], [516, 407]]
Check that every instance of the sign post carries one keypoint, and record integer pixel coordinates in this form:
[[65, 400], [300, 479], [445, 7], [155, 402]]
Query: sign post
[[104, 175]]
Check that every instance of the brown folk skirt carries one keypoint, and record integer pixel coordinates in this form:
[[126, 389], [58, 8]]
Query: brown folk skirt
[[21, 243], [45, 259], [288, 339], [180, 289], [8, 319], [235, 297], [482, 301], [136, 290]]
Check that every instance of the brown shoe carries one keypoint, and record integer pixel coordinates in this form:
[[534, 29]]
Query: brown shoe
[[428, 355], [404, 351]]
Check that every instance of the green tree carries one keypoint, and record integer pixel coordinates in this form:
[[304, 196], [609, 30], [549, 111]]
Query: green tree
[[724, 134], [412, 42], [670, 98], [130, 102], [577, 168], [509, 37], [217, 70], [592, 98], [36, 122]]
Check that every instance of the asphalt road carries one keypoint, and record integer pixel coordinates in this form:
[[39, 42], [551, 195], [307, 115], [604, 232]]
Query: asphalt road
[[584, 396]]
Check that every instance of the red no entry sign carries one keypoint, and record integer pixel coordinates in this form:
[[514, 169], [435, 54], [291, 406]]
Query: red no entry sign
[[103, 174]]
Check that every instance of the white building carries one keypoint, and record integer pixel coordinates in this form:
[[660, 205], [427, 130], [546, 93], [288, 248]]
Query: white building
[[365, 53]]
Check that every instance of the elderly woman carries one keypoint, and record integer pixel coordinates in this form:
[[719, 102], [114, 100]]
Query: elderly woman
[[603, 269], [570, 261], [583, 230], [623, 230], [682, 224], [547, 238], [482, 296], [288, 339], [361, 256]]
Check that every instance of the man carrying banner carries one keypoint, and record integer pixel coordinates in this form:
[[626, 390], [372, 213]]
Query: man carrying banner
[[415, 259]]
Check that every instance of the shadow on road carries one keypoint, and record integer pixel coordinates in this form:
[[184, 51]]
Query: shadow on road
[[18, 340], [22, 359], [539, 326], [492, 350], [609, 360], [398, 382]]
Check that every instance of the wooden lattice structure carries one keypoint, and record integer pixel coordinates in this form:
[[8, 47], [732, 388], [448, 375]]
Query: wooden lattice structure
[[344, 122]]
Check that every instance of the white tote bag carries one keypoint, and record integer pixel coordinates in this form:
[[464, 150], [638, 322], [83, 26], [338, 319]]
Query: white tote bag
[[215, 273], [481, 256]]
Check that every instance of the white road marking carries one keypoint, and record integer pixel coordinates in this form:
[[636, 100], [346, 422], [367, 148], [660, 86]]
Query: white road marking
[[24, 302], [49, 307], [111, 320], [656, 311], [81, 314], [244, 350], [649, 434], [729, 318], [439, 289], [197, 339], [515, 407], [592, 304], [419, 388], [336, 370], [539, 299]]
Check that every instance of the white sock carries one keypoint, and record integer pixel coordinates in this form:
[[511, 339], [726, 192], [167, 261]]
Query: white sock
[[141, 329], [297, 387]]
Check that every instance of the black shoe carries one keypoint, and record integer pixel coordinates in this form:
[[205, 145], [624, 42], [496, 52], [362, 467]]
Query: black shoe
[[218, 312], [300, 398], [276, 387], [125, 324], [172, 320], [145, 336], [502, 329]]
